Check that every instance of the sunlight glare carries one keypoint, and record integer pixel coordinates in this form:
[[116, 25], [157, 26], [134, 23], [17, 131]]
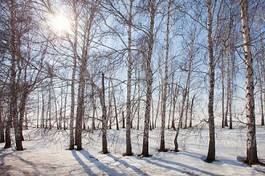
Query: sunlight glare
[[60, 24]]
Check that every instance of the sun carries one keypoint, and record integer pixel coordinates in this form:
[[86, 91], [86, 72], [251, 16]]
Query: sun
[[59, 23]]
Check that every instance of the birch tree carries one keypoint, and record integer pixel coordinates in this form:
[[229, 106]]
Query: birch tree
[[211, 74], [251, 146], [74, 68], [148, 72], [165, 82], [129, 82]]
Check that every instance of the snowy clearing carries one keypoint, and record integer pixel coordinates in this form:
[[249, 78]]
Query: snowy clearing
[[45, 154]]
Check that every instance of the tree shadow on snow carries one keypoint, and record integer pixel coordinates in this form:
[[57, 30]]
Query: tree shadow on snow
[[179, 167], [218, 162], [5, 168], [134, 168], [82, 163], [260, 170], [101, 166], [31, 164]]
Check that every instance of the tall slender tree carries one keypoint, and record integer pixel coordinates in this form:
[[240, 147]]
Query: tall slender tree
[[211, 74], [165, 82], [148, 72], [74, 69], [252, 156], [129, 82], [104, 116], [13, 76]]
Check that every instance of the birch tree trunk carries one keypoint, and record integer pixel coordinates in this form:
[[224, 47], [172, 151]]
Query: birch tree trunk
[[191, 110], [115, 106], [42, 108], [159, 103], [104, 117], [13, 83], [123, 119], [138, 99], [231, 90], [211, 72], [93, 126], [251, 152], [165, 84], [80, 105], [187, 109], [175, 94], [38, 110], [223, 91], [185, 99], [149, 79], [261, 94], [61, 111], [153, 112], [2, 133], [180, 119], [49, 109], [22, 110], [72, 106], [229, 93], [129, 85], [7, 131], [55, 107], [263, 71], [65, 106], [86, 41]]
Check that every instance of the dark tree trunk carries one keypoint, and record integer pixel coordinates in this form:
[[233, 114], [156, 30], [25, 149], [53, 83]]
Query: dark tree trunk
[[104, 117], [7, 132], [2, 133], [191, 110], [94, 107], [123, 119]]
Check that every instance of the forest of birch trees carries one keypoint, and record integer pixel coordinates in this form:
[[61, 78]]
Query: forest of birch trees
[[98, 65]]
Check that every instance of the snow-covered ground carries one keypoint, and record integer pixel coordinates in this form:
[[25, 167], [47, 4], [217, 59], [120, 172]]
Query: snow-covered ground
[[45, 154]]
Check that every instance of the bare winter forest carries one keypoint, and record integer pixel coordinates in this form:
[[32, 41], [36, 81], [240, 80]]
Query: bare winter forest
[[132, 87]]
